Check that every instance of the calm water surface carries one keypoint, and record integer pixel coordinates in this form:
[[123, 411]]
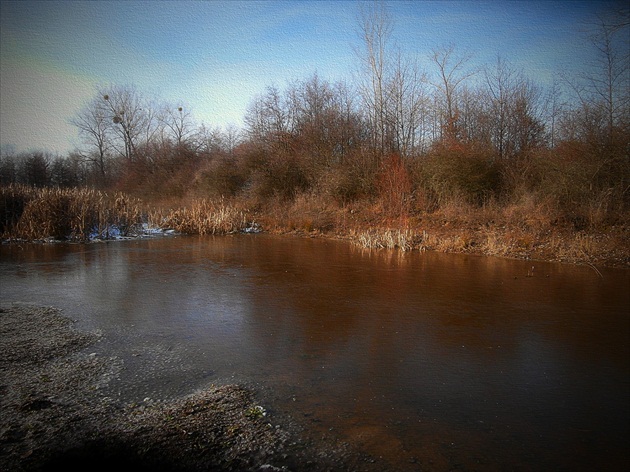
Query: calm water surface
[[426, 361]]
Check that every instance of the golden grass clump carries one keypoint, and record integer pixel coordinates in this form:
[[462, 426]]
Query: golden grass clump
[[205, 217], [402, 239]]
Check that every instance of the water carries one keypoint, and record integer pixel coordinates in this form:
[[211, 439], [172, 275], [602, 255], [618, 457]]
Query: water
[[427, 361]]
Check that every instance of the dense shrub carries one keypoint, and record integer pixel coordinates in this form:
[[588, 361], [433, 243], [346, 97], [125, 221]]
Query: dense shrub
[[348, 182], [394, 186], [282, 177], [466, 174], [221, 177]]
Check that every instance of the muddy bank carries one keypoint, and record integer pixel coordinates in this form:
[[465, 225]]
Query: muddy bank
[[55, 414]]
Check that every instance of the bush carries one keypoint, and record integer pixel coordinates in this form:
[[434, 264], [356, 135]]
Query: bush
[[345, 184], [464, 174], [281, 177], [220, 178], [587, 187], [394, 187]]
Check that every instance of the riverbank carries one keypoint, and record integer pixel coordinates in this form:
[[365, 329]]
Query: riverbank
[[55, 413], [525, 236], [529, 230]]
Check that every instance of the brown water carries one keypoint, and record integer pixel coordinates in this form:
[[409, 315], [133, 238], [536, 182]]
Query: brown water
[[426, 361]]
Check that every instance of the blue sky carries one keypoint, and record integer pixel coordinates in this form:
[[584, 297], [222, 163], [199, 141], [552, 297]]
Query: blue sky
[[215, 56]]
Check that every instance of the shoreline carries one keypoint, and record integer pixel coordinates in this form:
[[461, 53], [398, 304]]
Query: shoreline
[[609, 249], [55, 414], [526, 231]]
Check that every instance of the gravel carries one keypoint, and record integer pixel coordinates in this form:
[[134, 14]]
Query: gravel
[[54, 413]]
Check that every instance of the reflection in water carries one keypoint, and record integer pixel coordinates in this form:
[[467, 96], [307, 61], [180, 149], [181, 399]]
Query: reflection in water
[[431, 361]]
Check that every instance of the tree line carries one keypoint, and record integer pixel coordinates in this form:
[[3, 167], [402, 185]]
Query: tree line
[[410, 137]]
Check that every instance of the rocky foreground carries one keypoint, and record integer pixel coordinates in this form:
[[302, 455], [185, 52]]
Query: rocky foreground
[[54, 413]]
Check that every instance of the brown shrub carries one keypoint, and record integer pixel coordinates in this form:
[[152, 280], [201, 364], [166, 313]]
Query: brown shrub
[[220, 177], [462, 173], [394, 187]]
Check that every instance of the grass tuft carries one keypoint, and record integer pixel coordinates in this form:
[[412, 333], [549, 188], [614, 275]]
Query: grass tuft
[[402, 239]]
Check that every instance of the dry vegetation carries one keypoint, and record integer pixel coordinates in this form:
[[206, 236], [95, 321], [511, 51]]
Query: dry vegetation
[[203, 217], [79, 215], [30, 213], [527, 230]]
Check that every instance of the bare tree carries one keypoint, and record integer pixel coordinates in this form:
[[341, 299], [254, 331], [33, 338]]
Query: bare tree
[[515, 110], [232, 138], [350, 125], [36, 169], [317, 118], [95, 128], [452, 72], [407, 105], [131, 116], [209, 141], [604, 94], [267, 120], [553, 108], [500, 81], [611, 87], [375, 29], [178, 123], [8, 168]]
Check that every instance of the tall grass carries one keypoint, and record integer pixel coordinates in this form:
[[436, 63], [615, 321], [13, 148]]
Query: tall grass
[[204, 217], [402, 239], [28, 213], [65, 214]]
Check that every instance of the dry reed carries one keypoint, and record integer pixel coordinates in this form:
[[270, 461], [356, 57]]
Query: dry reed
[[29, 213], [204, 217], [402, 239]]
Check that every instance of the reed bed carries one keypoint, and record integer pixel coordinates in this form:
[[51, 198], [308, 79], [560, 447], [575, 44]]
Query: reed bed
[[32, 214], [72, 214], [204, 217]]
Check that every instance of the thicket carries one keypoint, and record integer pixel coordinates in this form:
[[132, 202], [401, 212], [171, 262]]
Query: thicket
[[399, 144]]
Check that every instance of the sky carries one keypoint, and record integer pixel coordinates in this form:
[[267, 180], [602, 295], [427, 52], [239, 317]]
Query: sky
[[214, 57]]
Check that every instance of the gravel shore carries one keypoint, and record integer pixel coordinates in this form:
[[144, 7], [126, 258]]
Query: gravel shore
[[54, 413]]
